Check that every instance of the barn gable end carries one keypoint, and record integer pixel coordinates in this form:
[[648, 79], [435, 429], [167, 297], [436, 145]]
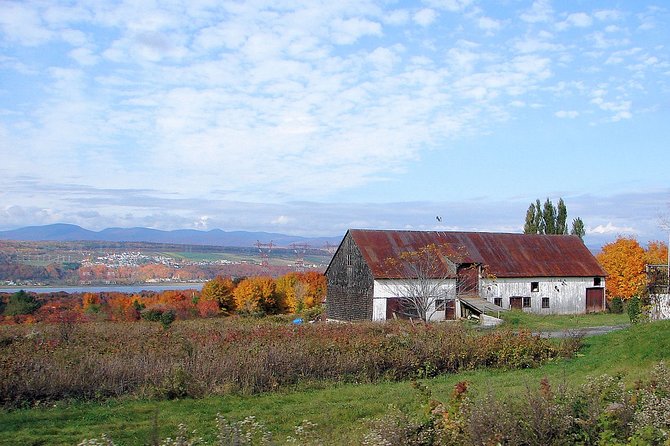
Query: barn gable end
[[350, 284]]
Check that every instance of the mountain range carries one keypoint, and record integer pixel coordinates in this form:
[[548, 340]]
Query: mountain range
[[217, 237]]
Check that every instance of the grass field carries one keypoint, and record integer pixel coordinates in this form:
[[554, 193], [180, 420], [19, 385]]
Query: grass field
[[340, 411]]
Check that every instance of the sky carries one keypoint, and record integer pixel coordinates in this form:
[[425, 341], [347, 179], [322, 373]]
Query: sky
[[309, 118]]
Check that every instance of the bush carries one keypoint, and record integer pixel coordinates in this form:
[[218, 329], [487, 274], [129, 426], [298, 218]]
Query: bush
[[167, 318], [634, 309], [616, 305], [21, 303], [247, 355]]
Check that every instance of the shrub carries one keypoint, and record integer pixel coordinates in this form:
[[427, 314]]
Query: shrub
[[616, 305], [21, 303], [106, 359], [167, 318], [634, 309]]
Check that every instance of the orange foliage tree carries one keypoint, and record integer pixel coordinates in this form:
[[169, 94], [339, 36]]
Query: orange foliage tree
[[255, 294], [656, 253], [316, 288], [624, 261]]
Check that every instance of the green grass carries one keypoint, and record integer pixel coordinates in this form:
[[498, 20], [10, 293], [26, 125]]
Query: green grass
[[534, 322], [339, 411]]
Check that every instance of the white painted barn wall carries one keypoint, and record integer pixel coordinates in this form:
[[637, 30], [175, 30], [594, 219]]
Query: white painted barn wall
[[567, 295], [661, 309], [385, 288]]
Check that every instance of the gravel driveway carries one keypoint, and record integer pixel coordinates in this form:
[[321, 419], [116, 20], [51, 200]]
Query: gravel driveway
[[586, 331]]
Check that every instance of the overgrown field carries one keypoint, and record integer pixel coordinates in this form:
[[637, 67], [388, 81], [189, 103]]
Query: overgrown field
[[42, 362], [348, 413]]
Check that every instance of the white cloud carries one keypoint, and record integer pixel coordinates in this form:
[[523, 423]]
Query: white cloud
[[396, 17], [488, 24], [449, 5], [21, 23], [346, 32], [608, 15], [577, 19], [425, 17], [610, 228], [540, 11], [570, 114]]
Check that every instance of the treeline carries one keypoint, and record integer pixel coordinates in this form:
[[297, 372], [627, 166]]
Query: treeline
[[222, 296]]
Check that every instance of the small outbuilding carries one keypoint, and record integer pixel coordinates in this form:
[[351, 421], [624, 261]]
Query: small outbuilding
[[374, 274]]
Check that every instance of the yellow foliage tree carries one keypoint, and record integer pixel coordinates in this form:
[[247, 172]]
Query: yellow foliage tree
[[220, 290], [255, 294], [285, 288], [624, 261]]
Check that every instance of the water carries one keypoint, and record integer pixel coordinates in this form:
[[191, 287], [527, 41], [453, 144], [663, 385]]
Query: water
[[130, 289]]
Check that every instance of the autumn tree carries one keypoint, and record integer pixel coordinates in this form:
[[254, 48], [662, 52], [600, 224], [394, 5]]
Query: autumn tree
[[257, 294], [623, 260], [656, 253], [220, 290]]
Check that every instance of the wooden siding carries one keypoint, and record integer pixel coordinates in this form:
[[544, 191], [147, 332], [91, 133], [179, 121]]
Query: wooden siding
[[350, 284]]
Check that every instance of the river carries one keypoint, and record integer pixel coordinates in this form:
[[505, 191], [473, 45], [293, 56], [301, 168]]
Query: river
[[130, 289]]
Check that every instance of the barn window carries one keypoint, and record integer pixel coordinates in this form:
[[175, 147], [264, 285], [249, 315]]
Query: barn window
[[534, 287], [526, 302], [596, 281], [545, 302], [439, 305], [497, 301]]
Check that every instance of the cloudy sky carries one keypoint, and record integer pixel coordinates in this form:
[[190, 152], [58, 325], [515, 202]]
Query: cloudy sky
[[312, 117]]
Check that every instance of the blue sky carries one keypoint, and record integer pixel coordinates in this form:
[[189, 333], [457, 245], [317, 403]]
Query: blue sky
[[312, 117]]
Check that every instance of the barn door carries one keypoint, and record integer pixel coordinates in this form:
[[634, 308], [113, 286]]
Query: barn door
[[450, 309], [393, 308], [594, 299], [516, 302]]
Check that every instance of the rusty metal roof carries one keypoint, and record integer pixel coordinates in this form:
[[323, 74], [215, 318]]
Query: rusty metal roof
[[504, 255]]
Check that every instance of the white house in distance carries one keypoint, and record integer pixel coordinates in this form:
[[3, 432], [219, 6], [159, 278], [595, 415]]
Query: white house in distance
[[478, 272]]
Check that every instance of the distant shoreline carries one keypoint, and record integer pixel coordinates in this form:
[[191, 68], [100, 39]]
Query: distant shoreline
[[135, 288]]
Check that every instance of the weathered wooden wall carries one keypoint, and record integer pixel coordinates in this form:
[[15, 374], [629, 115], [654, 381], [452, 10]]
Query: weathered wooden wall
[[567, 295], [350, 284]]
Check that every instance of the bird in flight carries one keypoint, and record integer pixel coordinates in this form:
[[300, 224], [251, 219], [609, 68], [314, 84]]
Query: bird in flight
[[438, 218]]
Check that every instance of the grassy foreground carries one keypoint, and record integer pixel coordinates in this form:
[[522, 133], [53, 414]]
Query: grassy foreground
[[339, 411]]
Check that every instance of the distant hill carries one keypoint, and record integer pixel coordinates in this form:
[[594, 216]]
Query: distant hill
[[67, 232]]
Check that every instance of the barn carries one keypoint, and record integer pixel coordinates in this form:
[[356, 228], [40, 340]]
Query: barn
[[374, 274]]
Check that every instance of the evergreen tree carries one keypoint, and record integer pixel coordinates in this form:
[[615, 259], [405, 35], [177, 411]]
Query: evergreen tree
[[549, 217], [562, 218], [578, 228], [21, 303]]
